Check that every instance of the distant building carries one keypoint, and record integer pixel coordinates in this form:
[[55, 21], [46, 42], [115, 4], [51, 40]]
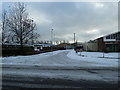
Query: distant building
[[91, 45], [15, 45], [43, 45], [38, 47], [66, 45], [108, 43]]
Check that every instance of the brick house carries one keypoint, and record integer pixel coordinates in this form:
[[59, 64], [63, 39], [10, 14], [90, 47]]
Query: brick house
[[110, 43]]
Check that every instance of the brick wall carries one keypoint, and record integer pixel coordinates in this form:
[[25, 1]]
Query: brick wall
[[101, 44]]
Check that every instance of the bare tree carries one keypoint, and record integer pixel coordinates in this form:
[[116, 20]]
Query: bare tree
[[4, 26], [20, 25]]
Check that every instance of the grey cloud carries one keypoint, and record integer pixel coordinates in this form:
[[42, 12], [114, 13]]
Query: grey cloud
[[69, 17]]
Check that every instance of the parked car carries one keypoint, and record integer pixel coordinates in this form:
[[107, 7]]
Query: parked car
[[78, 48]]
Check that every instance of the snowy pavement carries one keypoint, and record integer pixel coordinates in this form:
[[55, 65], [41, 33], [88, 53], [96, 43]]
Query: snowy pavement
[[64, 65]]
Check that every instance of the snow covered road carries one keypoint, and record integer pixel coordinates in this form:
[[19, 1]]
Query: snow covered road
[[64, 58], [58, 67]]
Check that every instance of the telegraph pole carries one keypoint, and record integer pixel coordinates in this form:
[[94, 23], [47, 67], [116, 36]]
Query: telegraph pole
[[74, 38], [54, 38], [51, 36], [51, 39]]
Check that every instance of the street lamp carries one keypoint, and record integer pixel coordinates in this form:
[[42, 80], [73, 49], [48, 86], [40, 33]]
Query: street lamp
[[51, 35], [74, 40], [51, 39], [54, 38]]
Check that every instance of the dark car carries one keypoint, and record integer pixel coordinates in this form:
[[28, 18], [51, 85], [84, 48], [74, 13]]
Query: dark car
[[78, 48]]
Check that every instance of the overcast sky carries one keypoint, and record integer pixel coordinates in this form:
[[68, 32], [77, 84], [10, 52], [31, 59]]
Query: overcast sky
[[89, 20]]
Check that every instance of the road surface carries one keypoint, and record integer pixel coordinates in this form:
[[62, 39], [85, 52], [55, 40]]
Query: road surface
[[61, 72]]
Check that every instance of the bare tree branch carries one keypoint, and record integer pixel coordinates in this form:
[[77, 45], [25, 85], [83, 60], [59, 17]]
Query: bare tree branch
[[21, 25]]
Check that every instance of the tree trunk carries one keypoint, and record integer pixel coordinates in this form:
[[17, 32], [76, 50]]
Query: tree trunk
[[21, 47]]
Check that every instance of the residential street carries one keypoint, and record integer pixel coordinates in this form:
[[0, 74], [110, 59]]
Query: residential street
[[57, 70], [59, 44]]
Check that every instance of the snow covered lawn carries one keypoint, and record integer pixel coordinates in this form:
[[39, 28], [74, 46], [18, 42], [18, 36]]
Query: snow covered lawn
[[96, 58]]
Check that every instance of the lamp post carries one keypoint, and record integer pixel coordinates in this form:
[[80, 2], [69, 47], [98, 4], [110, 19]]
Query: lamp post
[[74, 40], [51, 36], [54, 38], [51, 39]]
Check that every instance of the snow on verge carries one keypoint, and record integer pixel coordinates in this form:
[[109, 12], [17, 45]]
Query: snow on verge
[[94, 57]]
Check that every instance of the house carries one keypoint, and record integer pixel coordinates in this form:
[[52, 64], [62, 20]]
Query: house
[[110, 43], [91, 45], [107, 43]]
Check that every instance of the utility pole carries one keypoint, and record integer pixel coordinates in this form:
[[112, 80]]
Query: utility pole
[[51, 40], [74, 38], [51, 36], [54, 38]]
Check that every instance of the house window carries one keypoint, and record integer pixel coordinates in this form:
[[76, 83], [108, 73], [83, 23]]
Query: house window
[[113, 36], [108, 37], [118, 36]]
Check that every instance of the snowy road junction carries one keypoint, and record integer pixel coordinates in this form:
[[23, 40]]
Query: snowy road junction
[[63, 68]]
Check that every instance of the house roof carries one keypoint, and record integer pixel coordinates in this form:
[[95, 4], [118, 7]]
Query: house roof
[[107, 35]]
